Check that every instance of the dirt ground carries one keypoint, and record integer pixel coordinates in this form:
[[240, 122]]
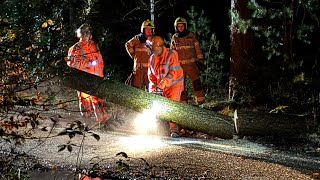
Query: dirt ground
[[123, 152]]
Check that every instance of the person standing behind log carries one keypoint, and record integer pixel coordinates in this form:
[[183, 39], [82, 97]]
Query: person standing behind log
[[165, 75], [190, 58], [85, 55], [137, 50]]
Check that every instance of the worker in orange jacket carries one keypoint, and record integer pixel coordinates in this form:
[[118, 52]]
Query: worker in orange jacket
[[190, 57], [85, 55], [137, 50], [165, 74]]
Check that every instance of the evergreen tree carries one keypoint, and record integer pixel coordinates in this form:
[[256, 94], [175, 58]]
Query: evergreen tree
[[287, 49], [214, 76]]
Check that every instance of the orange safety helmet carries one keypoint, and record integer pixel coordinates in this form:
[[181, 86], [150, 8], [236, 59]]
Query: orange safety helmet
[[147, 24], [83, 30], [180, 20], [156, 43]]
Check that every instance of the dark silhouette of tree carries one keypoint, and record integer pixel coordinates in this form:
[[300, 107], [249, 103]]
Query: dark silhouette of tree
[[242, 49]]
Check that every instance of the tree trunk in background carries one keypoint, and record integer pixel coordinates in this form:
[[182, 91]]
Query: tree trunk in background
[[242, 51], [187, 116], [288, 41], [72, 14], [152, 10], [291, 57]]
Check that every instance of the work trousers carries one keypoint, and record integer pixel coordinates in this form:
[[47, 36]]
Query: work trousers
[[140, 78], [191, 70], [174, 93], [89, 105]]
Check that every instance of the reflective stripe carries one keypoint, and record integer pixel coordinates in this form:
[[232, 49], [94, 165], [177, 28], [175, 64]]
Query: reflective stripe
[[82, 53], [185, 47], [152, 65], [131, 51], [167, 62], [142, 64], [75, 65], [174, 67], [167, 68], [178, 80], [171, 79], [200, 57], [186, 61], [142, 49]]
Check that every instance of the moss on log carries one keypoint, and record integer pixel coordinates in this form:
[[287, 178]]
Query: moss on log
[[185, 115], [265, 124]]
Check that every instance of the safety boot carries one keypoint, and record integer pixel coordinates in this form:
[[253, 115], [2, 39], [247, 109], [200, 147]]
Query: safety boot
[[103, 125], [174, 135]]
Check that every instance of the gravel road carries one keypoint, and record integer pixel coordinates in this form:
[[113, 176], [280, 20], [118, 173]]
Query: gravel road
[[160, 157]]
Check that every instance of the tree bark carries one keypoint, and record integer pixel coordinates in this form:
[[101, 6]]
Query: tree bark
[[152, 10], [288, 40], [242, 51], [185, 115], [264, 124]]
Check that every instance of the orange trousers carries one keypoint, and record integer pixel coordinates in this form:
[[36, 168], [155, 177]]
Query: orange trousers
[[92, 105], [174, 93]]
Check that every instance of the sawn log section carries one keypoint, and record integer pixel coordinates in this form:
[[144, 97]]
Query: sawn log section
[[185, 115], [274, 124]]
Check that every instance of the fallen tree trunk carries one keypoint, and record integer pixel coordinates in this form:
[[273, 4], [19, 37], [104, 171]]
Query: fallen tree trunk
[[185, 115], [264, 124]]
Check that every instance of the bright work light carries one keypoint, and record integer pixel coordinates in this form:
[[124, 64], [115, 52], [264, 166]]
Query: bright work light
[[146, 122]]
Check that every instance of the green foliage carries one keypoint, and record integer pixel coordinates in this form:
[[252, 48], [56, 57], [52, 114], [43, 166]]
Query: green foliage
[[287, 49], [34, 38], [32, 46], [122, 166], [279, 109], [239, 24], [76, 128], [303, 31], [8, 170], [271, 22], [286, 32], [214, 76]]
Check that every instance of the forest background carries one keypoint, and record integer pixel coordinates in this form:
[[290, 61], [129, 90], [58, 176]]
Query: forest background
[[262, 55]]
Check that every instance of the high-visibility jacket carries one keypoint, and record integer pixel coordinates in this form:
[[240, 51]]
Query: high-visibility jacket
[[188, 48], [138, 51], [86, 56], [165, 71]]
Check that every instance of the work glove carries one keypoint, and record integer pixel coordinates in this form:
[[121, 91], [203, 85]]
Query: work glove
[[201, 66], [157, 91]]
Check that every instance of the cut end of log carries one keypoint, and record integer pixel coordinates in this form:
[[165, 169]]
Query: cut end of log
[[235, 118]]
